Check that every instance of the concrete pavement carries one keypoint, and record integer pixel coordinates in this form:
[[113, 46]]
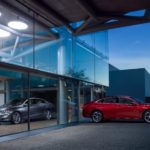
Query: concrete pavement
[[88, 136]]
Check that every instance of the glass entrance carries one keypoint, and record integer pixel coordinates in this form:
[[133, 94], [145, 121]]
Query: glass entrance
[[72, 96], [86, 95], [13, 94], [68, 105], [43, 101]]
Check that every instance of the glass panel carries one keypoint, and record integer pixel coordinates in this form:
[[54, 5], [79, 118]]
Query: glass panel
[[43, 101], [73, 102], [109, 100], [16, 45], [87, 39], [101, 72], [54, 55], [84, 57], [83, 61], [85, 97], [101, 58], [99, 92], [101, 44], [90, 57], [65, 53], [68, 102], [45, 50], [13, 94]]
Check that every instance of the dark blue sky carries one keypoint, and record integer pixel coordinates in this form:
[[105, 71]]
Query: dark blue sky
[[129, 47]]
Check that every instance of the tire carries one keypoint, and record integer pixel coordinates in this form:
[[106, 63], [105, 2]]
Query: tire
[[97, 116], [48, 115], [146, 116], [16, 118]]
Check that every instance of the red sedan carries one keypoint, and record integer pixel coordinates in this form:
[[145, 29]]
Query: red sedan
[[121, 107]]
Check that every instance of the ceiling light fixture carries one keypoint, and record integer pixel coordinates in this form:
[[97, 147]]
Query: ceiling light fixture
[[19, 25], [4, 33]]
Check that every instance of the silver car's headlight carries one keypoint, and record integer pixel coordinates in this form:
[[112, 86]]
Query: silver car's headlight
[[6, 111]]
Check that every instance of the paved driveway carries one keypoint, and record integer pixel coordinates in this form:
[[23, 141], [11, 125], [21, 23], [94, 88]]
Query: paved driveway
[[6, 128], [88, 136]]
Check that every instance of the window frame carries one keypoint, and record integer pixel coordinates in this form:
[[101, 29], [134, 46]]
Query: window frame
[[133, 102], [102, 100]]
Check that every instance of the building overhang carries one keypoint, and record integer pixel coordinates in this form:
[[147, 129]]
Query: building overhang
[[95, 15]]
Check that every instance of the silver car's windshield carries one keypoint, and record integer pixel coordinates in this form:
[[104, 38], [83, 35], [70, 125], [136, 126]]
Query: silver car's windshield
[[15, 102]]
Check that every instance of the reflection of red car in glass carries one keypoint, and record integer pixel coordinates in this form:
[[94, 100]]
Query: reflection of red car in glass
[[121, 107]]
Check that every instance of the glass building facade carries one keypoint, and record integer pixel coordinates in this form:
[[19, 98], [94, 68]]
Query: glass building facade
[[36, 70]]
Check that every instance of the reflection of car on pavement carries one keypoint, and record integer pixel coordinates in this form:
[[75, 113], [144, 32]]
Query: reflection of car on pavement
[[121, 107], [16, 110]]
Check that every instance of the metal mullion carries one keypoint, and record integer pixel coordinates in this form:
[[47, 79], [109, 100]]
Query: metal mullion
[[28, 101]]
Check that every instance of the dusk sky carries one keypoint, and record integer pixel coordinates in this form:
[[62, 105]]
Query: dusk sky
[[129, 47]]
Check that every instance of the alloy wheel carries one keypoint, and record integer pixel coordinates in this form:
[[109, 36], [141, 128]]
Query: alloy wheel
[[147, 116], [97, 116], [16, 118]]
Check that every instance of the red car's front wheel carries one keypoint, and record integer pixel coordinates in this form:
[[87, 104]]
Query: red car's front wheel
[[97, 116]]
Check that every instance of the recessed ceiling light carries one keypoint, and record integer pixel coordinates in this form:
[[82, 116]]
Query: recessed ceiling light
[[40, 85], [19, 25], [4, 33]]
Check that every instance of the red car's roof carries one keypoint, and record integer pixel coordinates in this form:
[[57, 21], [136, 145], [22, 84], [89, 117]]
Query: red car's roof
[[119, 96]]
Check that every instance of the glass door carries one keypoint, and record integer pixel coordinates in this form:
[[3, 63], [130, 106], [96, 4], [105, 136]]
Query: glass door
[[43, 101], [68, 101], [86, 95], [13, 94], [72, 102]]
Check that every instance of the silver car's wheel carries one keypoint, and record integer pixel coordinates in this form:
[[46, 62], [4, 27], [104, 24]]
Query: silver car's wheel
[[48, 115], [16, 118], [147, 116], [97, 116]]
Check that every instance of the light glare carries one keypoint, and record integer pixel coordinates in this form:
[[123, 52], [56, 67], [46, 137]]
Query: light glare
[[19, 25], [4, 33]]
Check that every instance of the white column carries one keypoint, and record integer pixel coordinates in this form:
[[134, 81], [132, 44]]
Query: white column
[[2, 96], [92, 93], [62, 104], [61, 60]]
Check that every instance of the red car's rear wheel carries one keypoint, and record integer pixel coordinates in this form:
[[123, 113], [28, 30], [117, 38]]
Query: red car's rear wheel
[[146, 116]]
